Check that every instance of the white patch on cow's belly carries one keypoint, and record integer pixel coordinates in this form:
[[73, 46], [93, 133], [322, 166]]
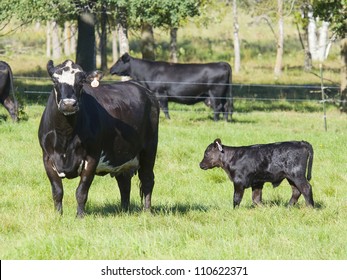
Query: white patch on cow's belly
[[104, 166]]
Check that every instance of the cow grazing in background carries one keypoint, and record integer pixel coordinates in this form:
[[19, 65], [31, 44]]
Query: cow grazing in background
[[252, 166], [182, 83], [91, 129], [6, 87]]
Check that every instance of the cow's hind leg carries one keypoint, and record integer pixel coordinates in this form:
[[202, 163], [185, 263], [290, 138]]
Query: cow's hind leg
[[146, 174], [257, 194], [307, 193], [295, 194], [305, 188], [11, 108], [124, 184], [146, 188]]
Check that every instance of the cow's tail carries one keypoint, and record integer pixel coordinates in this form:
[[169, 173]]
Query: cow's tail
[[141, 193], [310, 160], [11, 85]]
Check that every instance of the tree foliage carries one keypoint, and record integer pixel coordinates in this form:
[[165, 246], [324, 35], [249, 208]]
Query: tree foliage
[[334, 12]]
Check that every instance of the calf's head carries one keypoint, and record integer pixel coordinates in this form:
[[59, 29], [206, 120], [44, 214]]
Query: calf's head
[[212, 156], [122, 66]]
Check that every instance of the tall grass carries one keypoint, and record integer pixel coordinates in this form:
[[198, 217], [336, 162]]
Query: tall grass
[[192, 215]]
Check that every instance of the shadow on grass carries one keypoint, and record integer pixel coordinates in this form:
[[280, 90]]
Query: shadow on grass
[[110, 209], [279, 202]]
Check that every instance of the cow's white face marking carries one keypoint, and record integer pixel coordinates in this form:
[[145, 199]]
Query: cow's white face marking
[[68, 76]]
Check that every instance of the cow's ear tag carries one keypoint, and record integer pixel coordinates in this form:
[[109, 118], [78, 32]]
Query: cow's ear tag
[[220, 148], [94, 83]]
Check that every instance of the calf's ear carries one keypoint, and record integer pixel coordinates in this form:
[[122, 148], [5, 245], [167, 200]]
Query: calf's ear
[[218, 144]]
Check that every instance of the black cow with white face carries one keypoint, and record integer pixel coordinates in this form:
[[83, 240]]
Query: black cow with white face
[[182, 83], [252, 166], [91, 129], [6, 87]]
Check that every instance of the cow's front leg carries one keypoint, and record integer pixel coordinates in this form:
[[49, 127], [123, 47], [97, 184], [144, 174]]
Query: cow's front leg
[[124, 184], [238, 194], [56, 185], [82, 190]]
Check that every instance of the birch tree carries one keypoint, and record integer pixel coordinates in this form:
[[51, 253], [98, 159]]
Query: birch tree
[[237, 54], [280, 39], [334, 12]]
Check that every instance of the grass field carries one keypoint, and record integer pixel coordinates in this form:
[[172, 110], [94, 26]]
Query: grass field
[[192, 216]]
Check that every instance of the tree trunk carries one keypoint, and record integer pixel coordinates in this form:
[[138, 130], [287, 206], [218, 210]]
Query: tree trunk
[[73, 38], [147, 42], [173, 45], [67, 38], [115, 54], [308, 56], [237, 62], [312, 36], [56, 53], [103, 40], [122, 27], [323, 41], [280, 40], [86, 54], [48, 39], [343, 104]]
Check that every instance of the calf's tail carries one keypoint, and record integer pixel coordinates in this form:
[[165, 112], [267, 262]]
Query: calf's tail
[[310, 160]]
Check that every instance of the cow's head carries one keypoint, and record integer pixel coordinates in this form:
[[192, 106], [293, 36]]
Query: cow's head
[[122, 66], [68, 79], [212, 155]]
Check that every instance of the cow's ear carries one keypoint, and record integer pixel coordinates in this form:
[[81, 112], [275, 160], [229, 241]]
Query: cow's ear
[[94, 78], [218, 144], [125, 57], [50, 67]]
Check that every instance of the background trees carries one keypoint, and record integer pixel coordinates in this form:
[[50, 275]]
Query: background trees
[[95, 20], [335, 12]]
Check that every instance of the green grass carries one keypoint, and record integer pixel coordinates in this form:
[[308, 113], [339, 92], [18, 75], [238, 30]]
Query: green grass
[[192, 214]]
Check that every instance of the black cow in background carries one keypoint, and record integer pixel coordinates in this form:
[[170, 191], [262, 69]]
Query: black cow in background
[[89, 129], [6, 87], [182, 83], [252, 166]]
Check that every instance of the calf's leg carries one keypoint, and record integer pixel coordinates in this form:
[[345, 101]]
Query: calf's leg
[[295, 194], [238, 194], [257, 194], [305, 188]]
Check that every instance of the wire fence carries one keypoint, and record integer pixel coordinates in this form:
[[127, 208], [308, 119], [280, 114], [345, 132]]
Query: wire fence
[[241, 92]]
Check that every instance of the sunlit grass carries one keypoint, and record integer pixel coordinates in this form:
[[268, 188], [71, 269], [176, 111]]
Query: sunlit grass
[[192, 215]]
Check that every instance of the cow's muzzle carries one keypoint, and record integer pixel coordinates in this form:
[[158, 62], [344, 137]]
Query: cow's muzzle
[[68, 106], [203, 166]]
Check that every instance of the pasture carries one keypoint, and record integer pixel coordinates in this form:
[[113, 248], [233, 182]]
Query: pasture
[[192, 215]]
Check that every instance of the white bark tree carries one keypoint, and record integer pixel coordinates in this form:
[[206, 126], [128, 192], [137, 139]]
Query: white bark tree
[[280, 40], [237, 59], [56, 47], [48, 39]]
